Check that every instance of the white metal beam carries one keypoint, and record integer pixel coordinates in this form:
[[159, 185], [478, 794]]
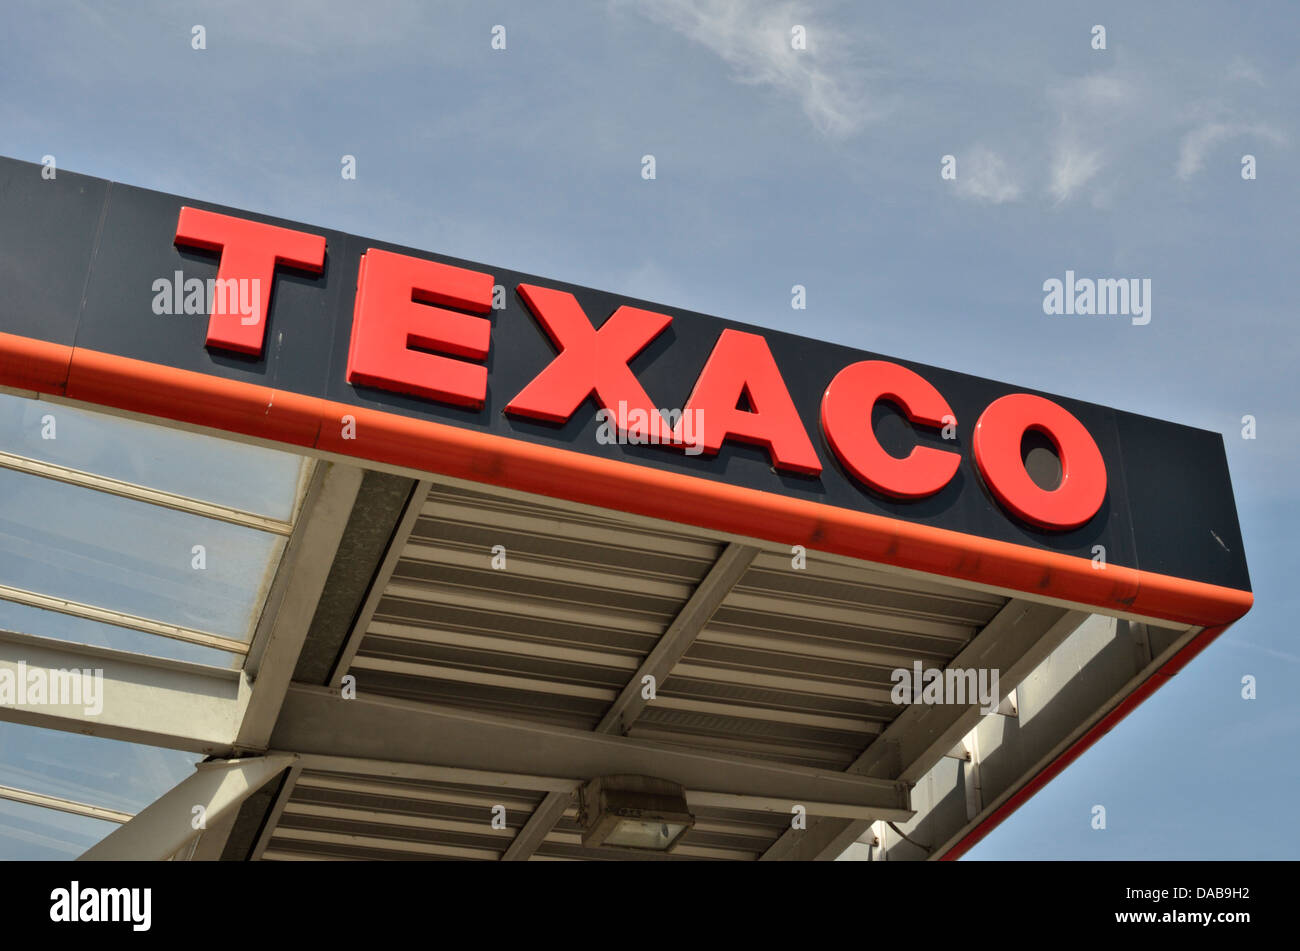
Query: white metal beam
[[291, 602], [211, 843], [277, 809], [144, 699], [428, 773], [63, 805], [317, 720], [1083, 680], [1014, 642], [165, 826], [141, 493], [287, 616], [91, 612]]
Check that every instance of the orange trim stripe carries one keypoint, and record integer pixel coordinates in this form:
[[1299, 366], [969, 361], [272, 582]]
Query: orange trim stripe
[[254, 410], [28, 364]]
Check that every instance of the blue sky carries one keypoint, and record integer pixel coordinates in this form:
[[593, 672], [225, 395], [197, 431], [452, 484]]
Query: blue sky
[[818, 167]]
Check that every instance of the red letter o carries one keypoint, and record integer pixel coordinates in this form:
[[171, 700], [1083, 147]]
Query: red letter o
[[998, 436]]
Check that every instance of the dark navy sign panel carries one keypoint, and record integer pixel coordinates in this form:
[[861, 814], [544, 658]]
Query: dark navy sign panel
[[79, 257]]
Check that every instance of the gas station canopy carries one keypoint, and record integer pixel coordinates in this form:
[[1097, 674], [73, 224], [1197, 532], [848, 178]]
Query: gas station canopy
[[385, 554]]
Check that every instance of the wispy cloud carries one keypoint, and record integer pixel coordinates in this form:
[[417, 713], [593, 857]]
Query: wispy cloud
[[753, 37], [1110, 122], [1073, 166], [982, 175], [1198, 143], [1279, 655], [1087, 108], [1244, 71]]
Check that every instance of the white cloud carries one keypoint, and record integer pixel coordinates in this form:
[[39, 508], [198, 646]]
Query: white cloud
[[1089, 110], [1099, 91], [1280, 655], [1073, 166], [1197, 143], [983, 176], [1245, 71], [753, 38]]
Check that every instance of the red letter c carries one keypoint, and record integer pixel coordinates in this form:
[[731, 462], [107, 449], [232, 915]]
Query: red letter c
[[846, 421]]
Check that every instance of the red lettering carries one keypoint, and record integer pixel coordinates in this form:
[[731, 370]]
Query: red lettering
[[741, 365], [998, 436], [589, 360], [846, 421], [249, 251], [393, 315]]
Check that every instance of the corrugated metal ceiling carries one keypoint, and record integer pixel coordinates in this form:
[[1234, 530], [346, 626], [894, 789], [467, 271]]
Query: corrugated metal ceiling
[[794, 666]]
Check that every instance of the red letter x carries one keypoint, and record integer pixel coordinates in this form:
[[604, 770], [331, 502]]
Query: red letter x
[[589, 360], [249, 252]]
